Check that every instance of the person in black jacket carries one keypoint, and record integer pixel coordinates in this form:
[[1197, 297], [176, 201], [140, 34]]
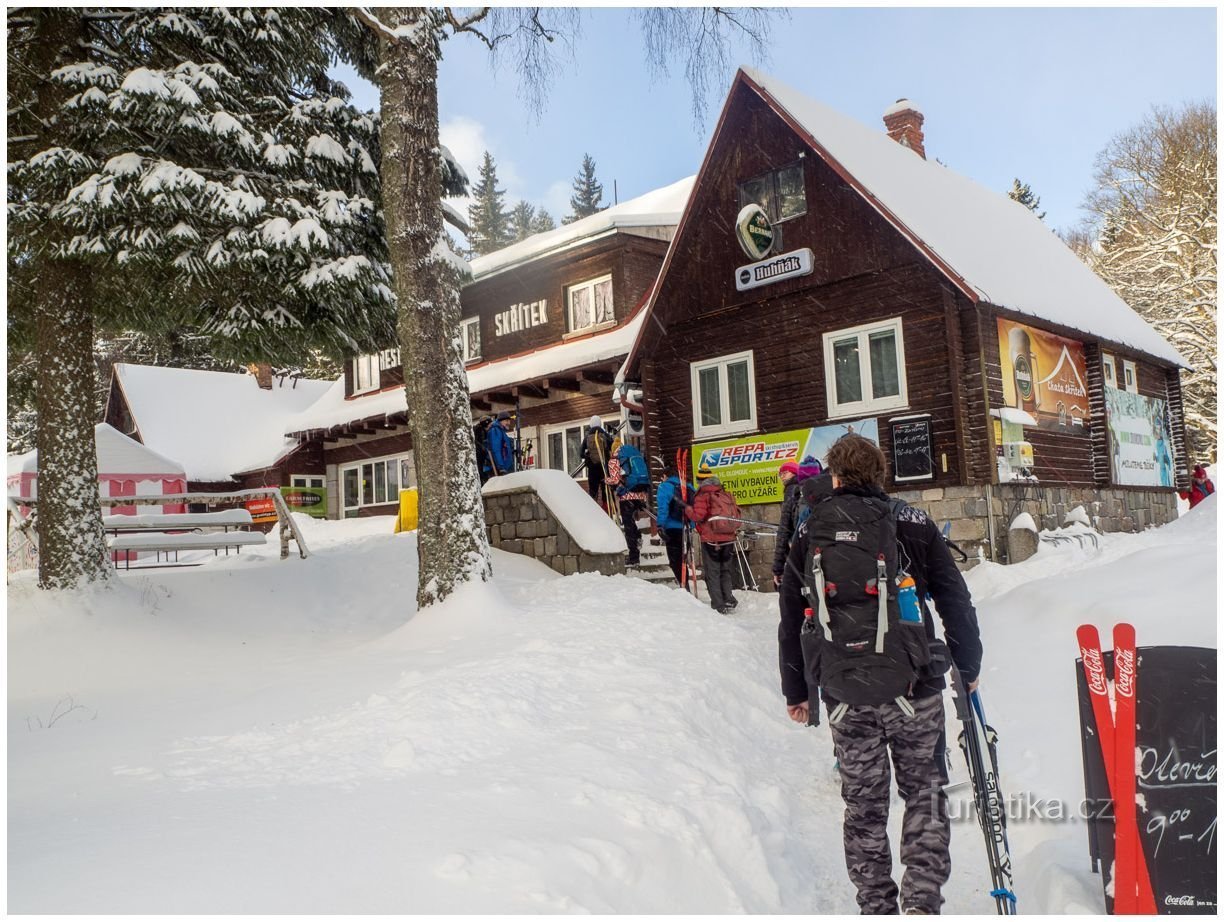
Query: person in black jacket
[[796, 486], [909, 730]]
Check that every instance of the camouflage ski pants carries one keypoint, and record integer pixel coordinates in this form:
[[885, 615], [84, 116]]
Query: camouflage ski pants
[[863, 739]]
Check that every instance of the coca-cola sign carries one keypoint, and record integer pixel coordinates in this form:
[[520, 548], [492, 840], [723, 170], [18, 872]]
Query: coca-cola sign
[[1094, 665], [1124, 673]]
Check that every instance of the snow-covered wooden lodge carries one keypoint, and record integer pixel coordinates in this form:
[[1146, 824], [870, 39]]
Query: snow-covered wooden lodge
[[826, 276]]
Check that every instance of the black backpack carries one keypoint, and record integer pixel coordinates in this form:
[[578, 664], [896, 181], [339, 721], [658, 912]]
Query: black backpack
[[855, 644]]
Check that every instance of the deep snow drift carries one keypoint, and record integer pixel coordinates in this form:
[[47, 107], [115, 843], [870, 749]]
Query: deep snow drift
[[257, 735]]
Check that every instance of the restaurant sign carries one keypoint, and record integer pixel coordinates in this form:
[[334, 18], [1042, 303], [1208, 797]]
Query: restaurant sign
[[775, 269]]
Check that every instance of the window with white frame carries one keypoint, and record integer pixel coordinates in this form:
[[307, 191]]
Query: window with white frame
[[1130, 377], [1109, 370], [724, 395], [865, 369], [365, 373], [469, 333], [589, 305], [306, 480], [375, 482], [563, 446]]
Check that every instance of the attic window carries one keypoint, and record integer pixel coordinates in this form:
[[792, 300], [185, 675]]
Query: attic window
[[779, 192]]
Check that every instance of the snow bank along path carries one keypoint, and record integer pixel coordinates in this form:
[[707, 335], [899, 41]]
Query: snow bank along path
[[255, 735]]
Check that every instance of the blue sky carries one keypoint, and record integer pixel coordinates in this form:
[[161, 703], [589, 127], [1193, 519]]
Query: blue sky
[[1033, 93]]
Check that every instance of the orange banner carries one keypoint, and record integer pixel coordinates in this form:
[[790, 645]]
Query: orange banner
[[1045, 376]]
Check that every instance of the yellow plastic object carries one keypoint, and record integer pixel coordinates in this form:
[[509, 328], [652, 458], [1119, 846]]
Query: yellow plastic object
[[407, 518]]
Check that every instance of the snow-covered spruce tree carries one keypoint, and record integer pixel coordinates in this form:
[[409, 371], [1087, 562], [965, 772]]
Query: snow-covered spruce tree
[[1023, 193], [522, 220], [490, 222], [188, 167], [542, 221], [588, 192], [400, 50], [1154, 241]]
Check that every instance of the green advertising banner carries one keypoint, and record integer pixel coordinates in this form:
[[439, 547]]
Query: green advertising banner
[[748, 467], [311, 500]]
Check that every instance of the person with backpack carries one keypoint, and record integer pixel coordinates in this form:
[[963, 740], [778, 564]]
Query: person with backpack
[[595, 454], [714, 511], [627, 471], [793, 476], [856, 629], [669, 513], [480, 438], [1200, 487], [500, 445]]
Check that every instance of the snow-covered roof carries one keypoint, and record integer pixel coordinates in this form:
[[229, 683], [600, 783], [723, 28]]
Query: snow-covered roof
[[215, 423], [660, 208], [117, 454], [995, 248], [333, 409]]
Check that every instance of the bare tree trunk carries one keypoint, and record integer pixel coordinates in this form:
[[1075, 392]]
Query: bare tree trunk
[[452, 544], [71, 548]]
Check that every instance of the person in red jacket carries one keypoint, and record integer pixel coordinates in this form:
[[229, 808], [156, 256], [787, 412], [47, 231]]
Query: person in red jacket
[[1200, 487], [714, 511]]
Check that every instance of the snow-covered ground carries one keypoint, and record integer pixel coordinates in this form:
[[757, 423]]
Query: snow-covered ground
[[258, 735]]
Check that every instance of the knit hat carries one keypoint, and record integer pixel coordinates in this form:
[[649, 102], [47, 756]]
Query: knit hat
[[703, 473], [504, 414], [1200, 471], [790, 466], [594, 422]]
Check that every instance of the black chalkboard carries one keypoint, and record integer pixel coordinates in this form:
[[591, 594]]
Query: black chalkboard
[[1176, 740], [912, 458]]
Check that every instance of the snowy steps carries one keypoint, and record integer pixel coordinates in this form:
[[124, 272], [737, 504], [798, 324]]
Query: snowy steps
[[653, 567]]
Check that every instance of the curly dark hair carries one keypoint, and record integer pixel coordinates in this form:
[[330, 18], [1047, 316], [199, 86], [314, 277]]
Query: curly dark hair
[[856, 462]]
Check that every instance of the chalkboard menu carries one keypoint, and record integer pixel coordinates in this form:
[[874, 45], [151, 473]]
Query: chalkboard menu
[[912, 456], [1176, 742]]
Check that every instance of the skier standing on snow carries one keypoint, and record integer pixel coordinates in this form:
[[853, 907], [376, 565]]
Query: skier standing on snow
[[670, 516], [595, 453], [908, 727], [717, 538], [501, 446], [792, 476]]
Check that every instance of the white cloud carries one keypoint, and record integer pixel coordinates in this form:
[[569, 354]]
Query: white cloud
[[468, 141], [557, 198]]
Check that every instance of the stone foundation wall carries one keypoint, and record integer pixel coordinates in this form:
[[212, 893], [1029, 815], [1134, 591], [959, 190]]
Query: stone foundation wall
[[1112, 509], [519, 522]]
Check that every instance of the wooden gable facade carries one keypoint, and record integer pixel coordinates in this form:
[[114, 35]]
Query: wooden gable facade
[[868, 270]]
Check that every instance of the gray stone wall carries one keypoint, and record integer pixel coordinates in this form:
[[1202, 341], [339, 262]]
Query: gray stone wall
[[1111, 509], [519, 522]]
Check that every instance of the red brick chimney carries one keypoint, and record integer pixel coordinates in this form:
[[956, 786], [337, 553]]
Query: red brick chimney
[[263, 375], [904, 124]]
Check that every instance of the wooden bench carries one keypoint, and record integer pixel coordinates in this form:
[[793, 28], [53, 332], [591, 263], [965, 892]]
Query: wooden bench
[[170, 533]]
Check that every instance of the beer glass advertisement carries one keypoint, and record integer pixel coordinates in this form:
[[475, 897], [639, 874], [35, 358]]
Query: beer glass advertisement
[[748, 467], [1044, 375], [1140, 450]]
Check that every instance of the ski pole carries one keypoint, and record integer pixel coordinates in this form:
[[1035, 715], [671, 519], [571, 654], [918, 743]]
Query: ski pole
[[727, 518]]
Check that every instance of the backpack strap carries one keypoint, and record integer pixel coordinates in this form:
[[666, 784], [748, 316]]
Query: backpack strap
[[882, 609], [822, 605]]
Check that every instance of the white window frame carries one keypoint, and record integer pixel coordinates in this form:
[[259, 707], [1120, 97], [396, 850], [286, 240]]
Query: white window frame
[[1107, 361], [301, 480], [469, 358], [726, 427], [357, 466], [546, 452], [569, 306], [867, 405], [1130, 377], [371, 364]]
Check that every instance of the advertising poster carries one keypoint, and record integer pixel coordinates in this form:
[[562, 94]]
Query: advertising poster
[[1140, 449], [748, 467], [1044, 375], [310, 500]]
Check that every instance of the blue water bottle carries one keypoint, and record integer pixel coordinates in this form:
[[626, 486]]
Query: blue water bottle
[[907, 599]]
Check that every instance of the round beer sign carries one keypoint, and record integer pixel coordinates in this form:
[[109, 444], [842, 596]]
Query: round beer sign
[[754, 231]]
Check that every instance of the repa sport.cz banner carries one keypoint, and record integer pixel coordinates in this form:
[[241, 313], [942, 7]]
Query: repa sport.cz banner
[[748, 467], [1140, 453]]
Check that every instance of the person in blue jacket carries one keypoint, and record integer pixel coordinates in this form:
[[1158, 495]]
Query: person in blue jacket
[[671, 525], [501, 446], [628, 472]]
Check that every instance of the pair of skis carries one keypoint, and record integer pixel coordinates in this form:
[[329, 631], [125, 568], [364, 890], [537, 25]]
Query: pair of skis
[[1132, 885], [979, 743], [688, 560]]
